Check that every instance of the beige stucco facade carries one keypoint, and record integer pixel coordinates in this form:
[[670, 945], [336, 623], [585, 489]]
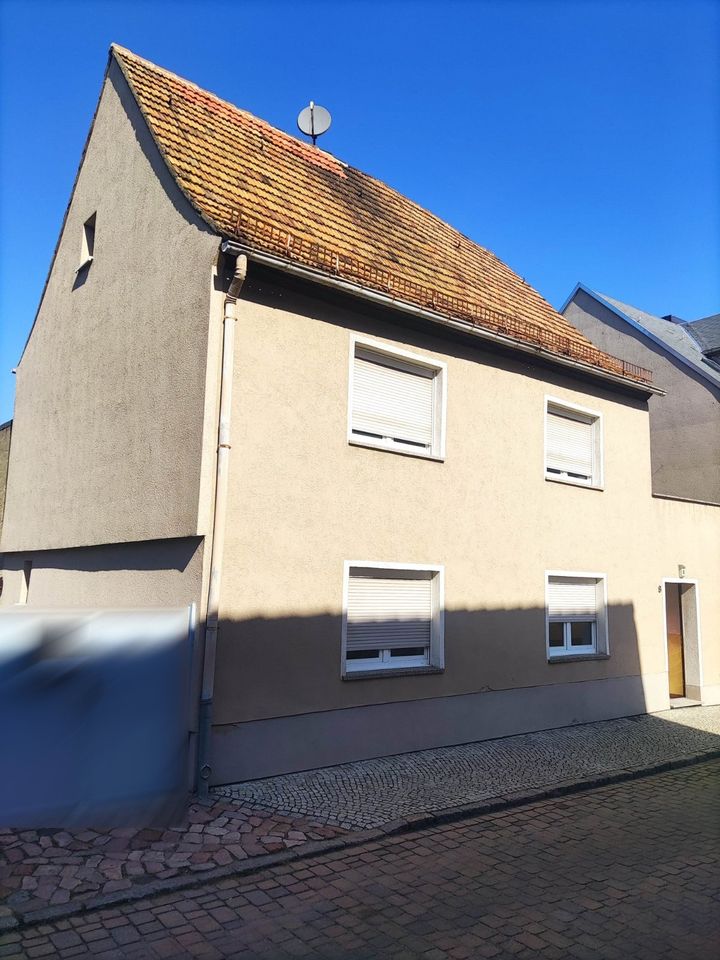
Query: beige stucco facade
[[303, 501], [110, 396]]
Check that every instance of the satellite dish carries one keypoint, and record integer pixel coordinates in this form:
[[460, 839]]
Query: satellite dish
[[313, 121]]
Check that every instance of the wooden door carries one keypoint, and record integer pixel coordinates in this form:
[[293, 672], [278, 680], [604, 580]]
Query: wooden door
[[673, 619]]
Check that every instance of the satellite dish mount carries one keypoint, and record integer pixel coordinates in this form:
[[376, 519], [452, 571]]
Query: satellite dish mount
[[313, 121]]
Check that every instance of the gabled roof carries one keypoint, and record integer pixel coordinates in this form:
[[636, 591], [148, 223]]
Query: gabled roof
[[672, 336], [275, 194]]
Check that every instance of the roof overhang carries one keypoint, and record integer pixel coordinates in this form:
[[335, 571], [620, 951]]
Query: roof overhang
[[234, 248]]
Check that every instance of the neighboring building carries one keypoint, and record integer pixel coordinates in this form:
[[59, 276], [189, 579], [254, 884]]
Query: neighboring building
[[5, 432], [431, 520], [685, 360], [706, 333]]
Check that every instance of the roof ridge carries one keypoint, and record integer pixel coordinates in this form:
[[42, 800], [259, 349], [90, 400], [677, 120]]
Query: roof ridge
[[130, 54], [116, 48], [235, 168]]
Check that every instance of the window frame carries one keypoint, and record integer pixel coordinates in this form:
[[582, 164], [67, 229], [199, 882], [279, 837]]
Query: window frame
[[575, 411], [382, 667], [87, 244], [600, 649], [404, 359]]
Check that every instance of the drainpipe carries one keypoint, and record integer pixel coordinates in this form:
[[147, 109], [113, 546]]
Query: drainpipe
[[218, 530]]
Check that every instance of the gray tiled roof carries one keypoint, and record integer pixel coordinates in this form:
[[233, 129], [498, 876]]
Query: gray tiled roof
[[706, 332], [677, 336]]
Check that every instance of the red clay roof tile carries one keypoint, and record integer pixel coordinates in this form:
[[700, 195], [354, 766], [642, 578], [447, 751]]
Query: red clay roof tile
[[274, 193]]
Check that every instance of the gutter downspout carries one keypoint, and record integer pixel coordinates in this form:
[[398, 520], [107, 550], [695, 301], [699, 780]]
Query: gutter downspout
[[218, 529]]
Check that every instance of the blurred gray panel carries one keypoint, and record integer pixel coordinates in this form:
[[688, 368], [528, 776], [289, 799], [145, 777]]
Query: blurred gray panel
[[95, 709]]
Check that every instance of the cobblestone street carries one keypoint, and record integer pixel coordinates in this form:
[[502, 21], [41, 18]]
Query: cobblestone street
[[60, 870], [624, 871]]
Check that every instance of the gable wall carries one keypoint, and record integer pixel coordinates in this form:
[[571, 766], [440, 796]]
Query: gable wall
[[110, 391], [684, 425]]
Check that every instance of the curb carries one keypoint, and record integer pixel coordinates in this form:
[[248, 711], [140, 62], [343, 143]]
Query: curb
[[315, 848]]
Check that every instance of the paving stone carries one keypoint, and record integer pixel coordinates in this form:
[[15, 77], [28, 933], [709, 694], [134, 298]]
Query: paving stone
[[63, 867], [371, 793], [75, 866], [439, 892]]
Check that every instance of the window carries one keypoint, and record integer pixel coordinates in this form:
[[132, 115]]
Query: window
[[393, 618], [87, 248], [397, 401], [573, 444], [576, 615]]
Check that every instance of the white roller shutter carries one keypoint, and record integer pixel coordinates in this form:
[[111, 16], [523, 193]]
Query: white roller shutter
[[570, 445], [387, 613], [392, 402], [572, 597]]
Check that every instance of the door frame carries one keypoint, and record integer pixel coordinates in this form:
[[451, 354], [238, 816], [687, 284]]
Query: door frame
[[688, 582]]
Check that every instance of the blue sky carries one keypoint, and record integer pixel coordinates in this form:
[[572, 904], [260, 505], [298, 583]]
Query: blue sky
[[578, 140]]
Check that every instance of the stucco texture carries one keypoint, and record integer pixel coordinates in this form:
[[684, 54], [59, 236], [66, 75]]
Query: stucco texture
[[111, 388], [124, 575], [684, 424], [303, 500], [5, 432]]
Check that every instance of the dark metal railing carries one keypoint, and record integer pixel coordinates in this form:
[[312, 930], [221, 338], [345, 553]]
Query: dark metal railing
[[259, 233]]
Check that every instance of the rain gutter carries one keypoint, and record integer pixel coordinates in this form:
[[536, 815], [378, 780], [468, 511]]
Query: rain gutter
[[233, 248]]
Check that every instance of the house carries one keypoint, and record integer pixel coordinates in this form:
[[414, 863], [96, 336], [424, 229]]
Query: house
[[410, 501], [685, 359]]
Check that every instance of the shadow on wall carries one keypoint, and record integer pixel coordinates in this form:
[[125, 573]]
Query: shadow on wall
[[281, 703], [102, 728], [143, 556]]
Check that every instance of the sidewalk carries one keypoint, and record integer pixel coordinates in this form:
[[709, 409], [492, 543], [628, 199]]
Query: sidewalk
[[372, 793], [50, 873]]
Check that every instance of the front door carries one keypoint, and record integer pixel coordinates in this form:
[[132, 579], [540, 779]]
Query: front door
[[674, 625]]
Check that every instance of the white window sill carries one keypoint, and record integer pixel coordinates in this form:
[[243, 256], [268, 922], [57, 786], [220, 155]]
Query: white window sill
[[391, 448], [84, 264], [573, 483], [575, 657], [391, 672]]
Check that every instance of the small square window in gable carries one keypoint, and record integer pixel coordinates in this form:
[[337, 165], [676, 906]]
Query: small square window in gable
[[87, 245]]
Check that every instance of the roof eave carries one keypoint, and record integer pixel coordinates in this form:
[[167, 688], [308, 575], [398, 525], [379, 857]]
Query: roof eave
[[234, 247]]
